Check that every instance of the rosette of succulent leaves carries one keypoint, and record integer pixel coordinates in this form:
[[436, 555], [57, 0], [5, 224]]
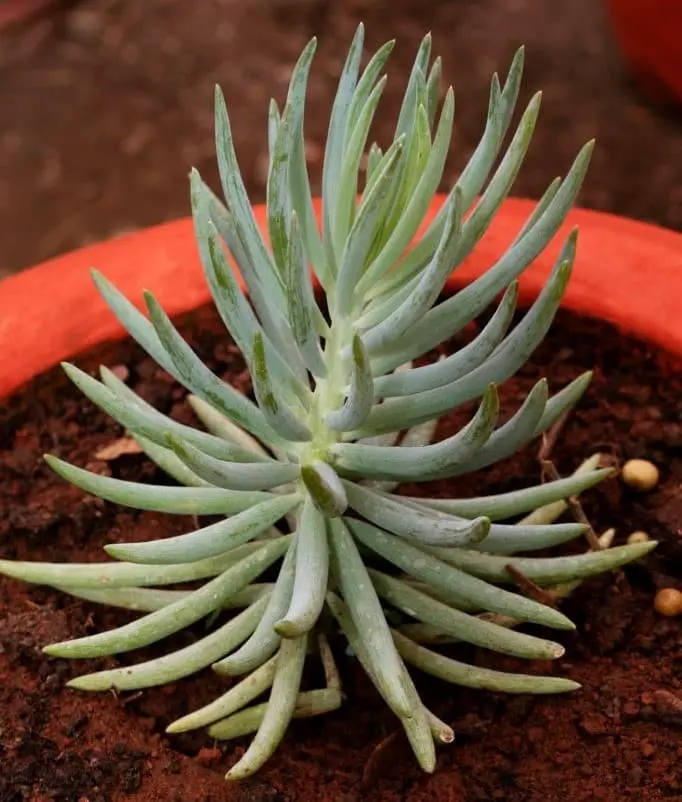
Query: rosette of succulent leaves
[[302, 477]]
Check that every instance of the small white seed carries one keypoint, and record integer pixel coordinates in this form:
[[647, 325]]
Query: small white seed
[[640, 475], [606, 539], [638, 537]]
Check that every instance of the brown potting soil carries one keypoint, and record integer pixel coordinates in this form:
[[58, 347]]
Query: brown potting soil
[[620, 737]]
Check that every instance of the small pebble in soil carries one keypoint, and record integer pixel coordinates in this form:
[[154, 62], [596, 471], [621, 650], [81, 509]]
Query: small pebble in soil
[[668, 602], [121, 372], [638, 537], [207, 756], [640, 475], [648, 749]]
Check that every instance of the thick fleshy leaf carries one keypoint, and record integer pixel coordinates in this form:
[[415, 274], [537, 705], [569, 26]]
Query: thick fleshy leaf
[[140, 418], [417, 436], [146, 600], [519, 430], [308, 704], [410, 97], [159, 498], [264, 641], [259, 261], [535, 416], [355, 146], [509, 357], [203, 382], [472, 179], [500, 111], [237, 697], [418, 202], [475, 677], [273, 122], [565, 399], [460, 625], [275, 411], [544, 570], [517, 502], [510, 538], [99, 576], [302, 203], [367, 82], [229, 299], [433, 89], [360, 396], [415, 523], [168, 462], [210, 541], [361, 113], [336, 137], [310, 582], [458, 364], [453, 314], [164, 622], [243, 237], [222, 427], [365, 610], [429, 287], [279, 711], [540, 208], [325, 488], [284, 145], [452, 584], [301, 304], [175, 665], [418, 147], [383, 306], [418, 726], [499, 538], [232, 475], [498, 189], [420, 463], [135, 323], [374, 157], [410, 129], [365, 229], [298, 178]]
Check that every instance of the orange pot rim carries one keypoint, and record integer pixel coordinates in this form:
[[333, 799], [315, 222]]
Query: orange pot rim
[[626, 273], [648, 34]]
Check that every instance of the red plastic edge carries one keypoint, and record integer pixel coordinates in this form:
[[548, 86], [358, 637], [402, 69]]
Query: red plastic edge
[[627, 273], [650, 35]]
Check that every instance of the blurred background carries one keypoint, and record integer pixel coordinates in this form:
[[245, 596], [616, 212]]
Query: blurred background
[[106, 104]]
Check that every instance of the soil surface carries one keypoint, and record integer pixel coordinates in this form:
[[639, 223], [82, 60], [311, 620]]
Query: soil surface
[[108, 103], [620, 737]]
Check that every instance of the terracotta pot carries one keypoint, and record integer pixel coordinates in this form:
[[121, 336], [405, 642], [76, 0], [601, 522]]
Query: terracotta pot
[[650, 36], [626, 273]]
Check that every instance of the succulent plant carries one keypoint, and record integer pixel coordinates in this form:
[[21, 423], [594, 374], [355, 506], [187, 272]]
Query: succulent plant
[[341, 416]]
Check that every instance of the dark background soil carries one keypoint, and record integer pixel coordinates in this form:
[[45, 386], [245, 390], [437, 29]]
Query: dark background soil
[[619, 738], [107, 103]]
